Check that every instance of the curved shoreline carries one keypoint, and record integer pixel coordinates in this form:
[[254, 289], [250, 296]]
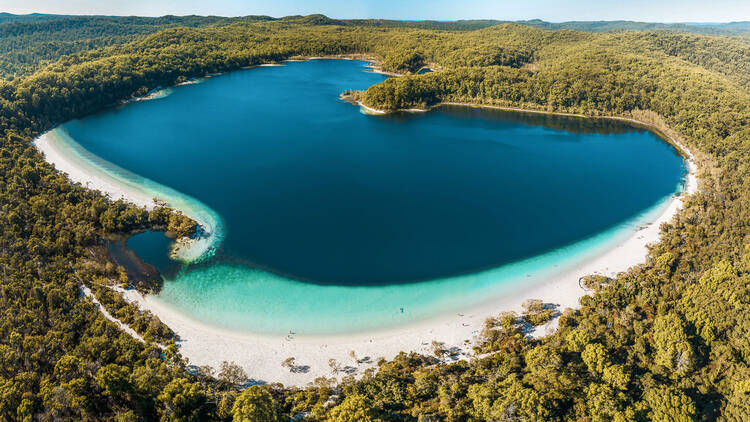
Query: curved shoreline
[[684, 151], [117, 183], [261, 354]]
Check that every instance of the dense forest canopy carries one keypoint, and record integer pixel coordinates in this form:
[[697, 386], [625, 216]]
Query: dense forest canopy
[[666, 340], [464, 24], [30, 41]]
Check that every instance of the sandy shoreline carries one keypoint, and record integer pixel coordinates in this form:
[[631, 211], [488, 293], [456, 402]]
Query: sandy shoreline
[[48, 146], [187, 250], [261, 355]]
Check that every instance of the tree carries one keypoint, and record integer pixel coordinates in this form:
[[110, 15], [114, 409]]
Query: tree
[[232, 374], [113, 379], [181, 225], [255, 404], [225, 404], [595, 357], [334, 365], [354, 408], [546, 372], [288, 363], [577, 339], [673, 350], [507, 400], [438, 348], [183, 401], [536, 313], [669, 404]]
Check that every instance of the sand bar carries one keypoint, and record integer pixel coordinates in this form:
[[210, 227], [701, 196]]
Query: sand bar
[[58, 152]]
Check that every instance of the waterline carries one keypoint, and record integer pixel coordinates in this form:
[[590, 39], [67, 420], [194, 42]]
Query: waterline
[[247, 300], [93, 172], [250, 300]]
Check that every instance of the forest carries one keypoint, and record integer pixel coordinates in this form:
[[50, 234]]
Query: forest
[[28, 42], [666, 340]]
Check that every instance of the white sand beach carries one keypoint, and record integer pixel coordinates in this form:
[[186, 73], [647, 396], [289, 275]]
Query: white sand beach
[[184, 249], [261, 355], [53, 154]]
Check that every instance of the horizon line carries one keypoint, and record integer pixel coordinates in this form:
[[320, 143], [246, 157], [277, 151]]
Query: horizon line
[[376, 18]]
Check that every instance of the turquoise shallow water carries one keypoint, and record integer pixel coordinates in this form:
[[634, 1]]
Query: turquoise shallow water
[[249, 300], [211, 232], [330, 221]]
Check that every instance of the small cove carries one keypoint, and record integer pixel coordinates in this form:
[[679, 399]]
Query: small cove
[[333, 221]]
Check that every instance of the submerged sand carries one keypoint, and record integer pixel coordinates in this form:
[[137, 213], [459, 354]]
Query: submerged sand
[[262, 355], [210, 234]]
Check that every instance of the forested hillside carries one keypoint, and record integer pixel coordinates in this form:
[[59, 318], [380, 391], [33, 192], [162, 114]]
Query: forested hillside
[[732, 28], [30, 41], [665, 341], [27, 42]]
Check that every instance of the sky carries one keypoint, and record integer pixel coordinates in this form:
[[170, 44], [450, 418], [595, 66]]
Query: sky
[[549, 10]]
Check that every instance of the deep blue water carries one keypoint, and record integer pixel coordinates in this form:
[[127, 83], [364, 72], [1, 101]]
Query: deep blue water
[[312, 189], [154, 248]]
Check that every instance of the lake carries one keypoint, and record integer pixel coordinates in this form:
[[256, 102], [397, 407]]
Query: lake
[[335, 221]]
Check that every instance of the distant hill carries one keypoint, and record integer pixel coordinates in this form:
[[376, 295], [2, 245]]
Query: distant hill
[[316, 19], [33, 17], [30, 41], [587, 26], [601, 26], [458, 25]]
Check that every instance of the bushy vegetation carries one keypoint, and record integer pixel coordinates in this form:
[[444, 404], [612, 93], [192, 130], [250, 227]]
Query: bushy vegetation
[[29, 42], [666, 340]]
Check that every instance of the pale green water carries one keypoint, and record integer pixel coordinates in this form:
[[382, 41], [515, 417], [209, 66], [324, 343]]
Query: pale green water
[[249, 300]]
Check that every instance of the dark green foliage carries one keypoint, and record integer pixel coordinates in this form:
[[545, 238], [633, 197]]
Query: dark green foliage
[[27, 42], [254, 404]]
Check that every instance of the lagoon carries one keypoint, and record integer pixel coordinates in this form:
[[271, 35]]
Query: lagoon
[[334, 221]]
